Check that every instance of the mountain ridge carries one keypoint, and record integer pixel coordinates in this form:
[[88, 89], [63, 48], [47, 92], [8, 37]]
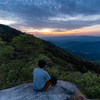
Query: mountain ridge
[[19, 55], [77, 38], [8, 32], [86, 47], [60, 53]]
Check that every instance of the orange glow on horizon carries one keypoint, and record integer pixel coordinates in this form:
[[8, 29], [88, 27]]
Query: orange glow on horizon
[[91, 30]]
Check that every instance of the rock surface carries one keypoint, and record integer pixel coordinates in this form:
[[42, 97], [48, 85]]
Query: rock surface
[[62, 91]]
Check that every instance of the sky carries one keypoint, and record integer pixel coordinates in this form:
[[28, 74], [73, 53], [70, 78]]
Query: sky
[[44, 18]]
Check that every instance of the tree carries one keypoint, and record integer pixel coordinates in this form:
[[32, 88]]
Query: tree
[[27, 46]]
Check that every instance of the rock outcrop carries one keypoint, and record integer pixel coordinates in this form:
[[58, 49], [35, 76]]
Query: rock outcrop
[[62, 91]]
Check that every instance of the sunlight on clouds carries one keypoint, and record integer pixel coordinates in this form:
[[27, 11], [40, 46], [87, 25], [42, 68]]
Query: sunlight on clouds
[[46, 30], [91, 30], [7, 22], [77, 17], [29, 29], [43, 30]]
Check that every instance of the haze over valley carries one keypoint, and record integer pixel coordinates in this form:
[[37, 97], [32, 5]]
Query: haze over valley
[[87, 47]]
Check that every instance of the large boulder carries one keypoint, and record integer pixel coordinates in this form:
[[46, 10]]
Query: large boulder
[[62, 91]]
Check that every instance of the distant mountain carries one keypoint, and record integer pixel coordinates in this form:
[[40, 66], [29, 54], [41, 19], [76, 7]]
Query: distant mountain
[[87, 50], [64, 39], [87, 47], [54, 52]]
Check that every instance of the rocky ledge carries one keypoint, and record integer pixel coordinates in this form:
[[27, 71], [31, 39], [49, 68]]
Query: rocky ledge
[[62, 91]]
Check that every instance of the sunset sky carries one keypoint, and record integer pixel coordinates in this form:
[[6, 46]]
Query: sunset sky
[[52, 17]]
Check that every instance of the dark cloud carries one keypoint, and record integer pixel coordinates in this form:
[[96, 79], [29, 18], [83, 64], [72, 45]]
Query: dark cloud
[[87, 7], [36, 13], [62, 24]]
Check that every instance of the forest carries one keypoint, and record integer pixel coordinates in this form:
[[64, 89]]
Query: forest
[[20, 53]]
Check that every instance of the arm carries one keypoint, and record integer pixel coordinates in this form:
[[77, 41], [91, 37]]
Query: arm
[[47, 76]]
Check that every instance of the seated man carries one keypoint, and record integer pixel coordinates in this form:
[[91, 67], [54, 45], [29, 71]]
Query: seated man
[[40, 76]]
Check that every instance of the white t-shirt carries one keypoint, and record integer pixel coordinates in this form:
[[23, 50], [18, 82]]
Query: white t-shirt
[[39, 78]]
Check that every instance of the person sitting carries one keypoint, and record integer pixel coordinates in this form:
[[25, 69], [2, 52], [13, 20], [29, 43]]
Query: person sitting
[[41, 79]]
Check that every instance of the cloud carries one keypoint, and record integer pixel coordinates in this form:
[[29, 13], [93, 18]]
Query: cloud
[[7, 22], [86, 7], [77, 18], [57, 14]]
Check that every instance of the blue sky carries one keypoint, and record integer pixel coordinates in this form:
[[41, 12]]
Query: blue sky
[[52, 17]]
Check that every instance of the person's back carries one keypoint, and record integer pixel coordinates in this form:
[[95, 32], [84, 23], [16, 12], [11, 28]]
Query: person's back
[[41, 79], [40, 76]]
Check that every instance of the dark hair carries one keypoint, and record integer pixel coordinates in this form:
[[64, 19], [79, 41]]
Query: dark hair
[[41, 63]]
